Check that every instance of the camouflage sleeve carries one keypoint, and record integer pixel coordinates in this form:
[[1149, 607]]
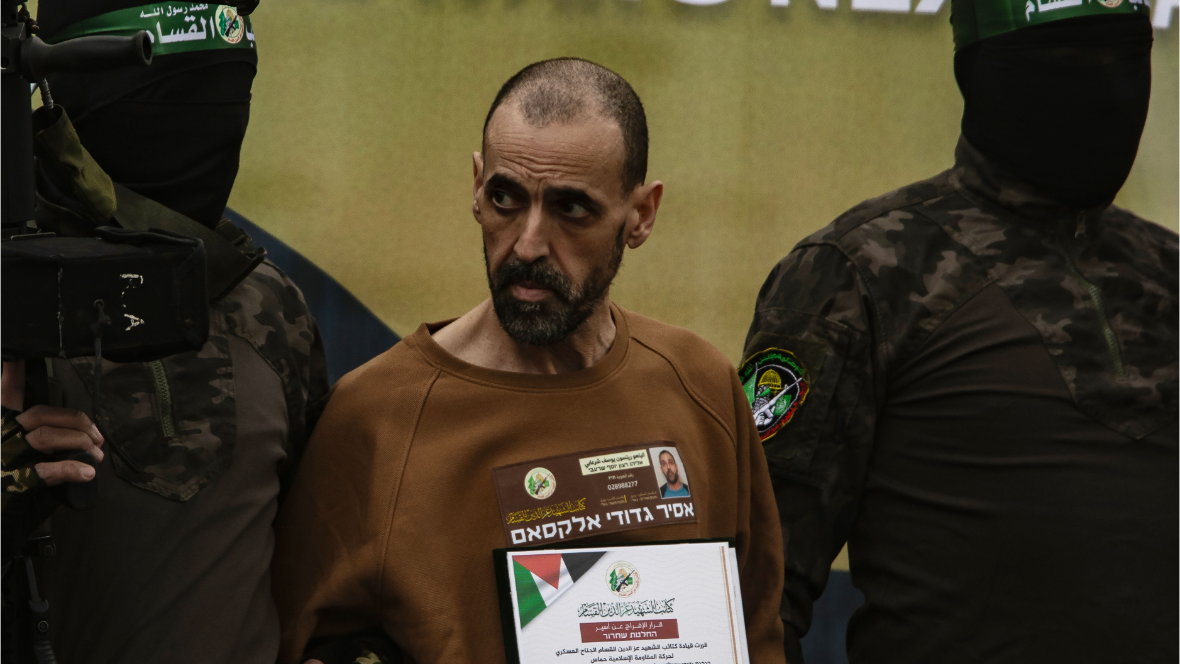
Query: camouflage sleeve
[[317, 390], [269, 311], [27, 502], [809, 374]]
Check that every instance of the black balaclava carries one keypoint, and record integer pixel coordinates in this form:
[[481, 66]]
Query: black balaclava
[[1061, 105], [171, 131], [175, 139]]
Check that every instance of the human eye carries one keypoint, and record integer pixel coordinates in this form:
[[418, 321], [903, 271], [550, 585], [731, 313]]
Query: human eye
[[503, 199], [573, 210]]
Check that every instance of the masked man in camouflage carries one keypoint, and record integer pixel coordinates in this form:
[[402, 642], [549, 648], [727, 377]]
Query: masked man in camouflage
[[172, 563], [976, 375]]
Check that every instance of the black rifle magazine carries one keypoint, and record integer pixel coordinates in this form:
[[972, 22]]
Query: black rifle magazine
[[151, 284]]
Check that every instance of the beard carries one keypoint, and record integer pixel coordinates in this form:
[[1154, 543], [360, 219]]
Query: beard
[[549, 321], [672, 477]]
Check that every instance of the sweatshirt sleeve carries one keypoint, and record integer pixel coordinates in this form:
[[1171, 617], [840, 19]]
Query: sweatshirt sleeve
[[332, 533], [760, 556], [326, 567]]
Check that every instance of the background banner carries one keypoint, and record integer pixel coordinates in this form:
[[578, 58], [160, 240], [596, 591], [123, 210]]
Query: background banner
[[768, 119]]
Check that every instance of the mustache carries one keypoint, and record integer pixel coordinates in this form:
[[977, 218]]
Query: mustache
[[539, 272]]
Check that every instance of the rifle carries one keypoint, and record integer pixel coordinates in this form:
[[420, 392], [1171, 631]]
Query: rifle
[[65, 291], [87, 287]]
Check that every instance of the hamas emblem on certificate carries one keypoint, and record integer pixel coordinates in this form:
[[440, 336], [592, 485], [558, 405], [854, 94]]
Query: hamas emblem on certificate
[[540, 483], [622, 578], [776, 384]]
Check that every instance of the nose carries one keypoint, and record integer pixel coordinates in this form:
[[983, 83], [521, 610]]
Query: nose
[[533, 242]]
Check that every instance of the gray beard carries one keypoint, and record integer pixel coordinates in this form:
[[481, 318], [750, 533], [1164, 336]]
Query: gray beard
[[547, 323]]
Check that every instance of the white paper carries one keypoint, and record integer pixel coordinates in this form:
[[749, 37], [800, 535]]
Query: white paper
[[685, 606]]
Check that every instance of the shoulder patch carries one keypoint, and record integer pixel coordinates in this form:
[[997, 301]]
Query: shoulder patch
[[776, 384]]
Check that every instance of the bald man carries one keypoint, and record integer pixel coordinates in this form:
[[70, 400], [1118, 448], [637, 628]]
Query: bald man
[[422, 453]]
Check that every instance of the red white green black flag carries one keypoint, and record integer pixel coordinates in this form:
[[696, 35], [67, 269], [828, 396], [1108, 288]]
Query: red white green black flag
[[540, 578]]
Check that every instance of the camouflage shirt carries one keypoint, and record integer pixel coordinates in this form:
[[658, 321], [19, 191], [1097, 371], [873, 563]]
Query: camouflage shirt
[[172, 562], [174, 421], [976, 389]]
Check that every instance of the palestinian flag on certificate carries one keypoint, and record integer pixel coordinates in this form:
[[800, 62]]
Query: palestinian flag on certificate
[[540, 578]]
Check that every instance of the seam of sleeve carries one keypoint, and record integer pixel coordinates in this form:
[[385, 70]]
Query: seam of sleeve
[[295, 410], [878, 321], [692, 394], [877, 318], [241, 334], [900, 359], [864, 280], [392, 508]]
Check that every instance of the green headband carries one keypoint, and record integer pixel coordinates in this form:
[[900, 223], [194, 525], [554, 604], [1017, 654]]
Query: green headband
[[175, 27], [973, 20]]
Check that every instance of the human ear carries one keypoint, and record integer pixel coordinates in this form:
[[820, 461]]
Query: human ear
[[477, 172], [643, 216]]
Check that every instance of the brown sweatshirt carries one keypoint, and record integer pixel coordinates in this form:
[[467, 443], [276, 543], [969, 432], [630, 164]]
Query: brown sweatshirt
[[394, 514]]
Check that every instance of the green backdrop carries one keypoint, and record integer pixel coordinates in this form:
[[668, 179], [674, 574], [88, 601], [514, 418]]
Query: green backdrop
[[766, 122]]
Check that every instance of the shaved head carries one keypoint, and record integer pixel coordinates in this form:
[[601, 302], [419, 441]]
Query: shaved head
[[565, 90]]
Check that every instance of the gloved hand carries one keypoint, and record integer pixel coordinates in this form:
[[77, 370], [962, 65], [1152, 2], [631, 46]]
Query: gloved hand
[[32, 436]]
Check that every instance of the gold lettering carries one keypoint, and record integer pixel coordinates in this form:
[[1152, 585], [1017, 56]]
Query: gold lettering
[[546, 511]]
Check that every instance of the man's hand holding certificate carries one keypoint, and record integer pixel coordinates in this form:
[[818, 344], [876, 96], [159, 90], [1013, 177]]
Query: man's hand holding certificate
[[676, 603]]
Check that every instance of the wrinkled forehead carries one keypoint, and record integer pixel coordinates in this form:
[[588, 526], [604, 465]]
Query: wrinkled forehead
[[585, 151]]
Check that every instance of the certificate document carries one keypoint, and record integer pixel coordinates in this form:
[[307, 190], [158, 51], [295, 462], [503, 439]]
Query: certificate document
[[677, 603]]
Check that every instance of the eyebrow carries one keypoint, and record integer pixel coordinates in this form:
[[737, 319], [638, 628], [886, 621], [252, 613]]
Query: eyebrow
[[499, 180]]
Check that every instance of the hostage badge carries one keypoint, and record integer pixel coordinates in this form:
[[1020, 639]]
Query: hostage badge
[[776, 384]]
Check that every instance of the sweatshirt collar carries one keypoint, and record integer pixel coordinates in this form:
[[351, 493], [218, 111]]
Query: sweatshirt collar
[[436, 355]]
